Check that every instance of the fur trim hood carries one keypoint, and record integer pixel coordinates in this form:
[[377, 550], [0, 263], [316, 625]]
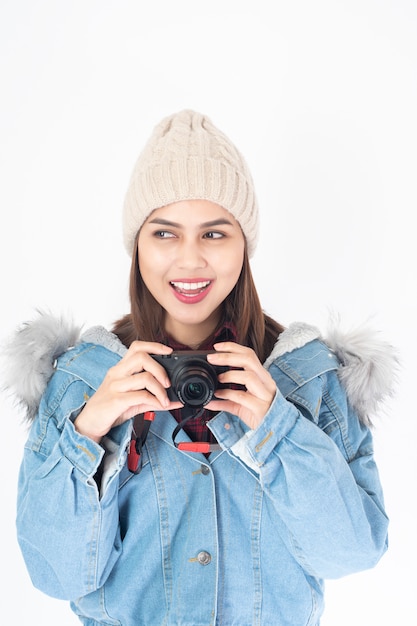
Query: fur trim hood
[[367, 371]]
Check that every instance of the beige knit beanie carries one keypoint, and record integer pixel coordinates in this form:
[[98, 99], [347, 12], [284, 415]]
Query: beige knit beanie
[[188, 158]]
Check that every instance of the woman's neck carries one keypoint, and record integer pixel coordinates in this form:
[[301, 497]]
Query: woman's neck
[[192, 335]]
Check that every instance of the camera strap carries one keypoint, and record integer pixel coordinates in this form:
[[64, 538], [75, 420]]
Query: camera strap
[[141, 425], [193, 446]]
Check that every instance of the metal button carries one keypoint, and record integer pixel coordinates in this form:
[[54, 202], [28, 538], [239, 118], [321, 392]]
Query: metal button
[[205, 470], [204, 557]]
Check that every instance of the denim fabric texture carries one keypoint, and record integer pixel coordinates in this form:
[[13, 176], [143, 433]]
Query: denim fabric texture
[[244, 538]]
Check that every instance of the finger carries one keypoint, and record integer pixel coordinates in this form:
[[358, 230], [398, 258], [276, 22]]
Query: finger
[[137, 362], [264, 387], [243, 398], [142, 381], [233, 355], [244, 361], [151, 347], [145, 347], [251, 413], [140, 402], [229, 346], [114, 391], [243, 404]]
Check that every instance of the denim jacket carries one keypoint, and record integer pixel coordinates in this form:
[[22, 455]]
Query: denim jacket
[[243, 538]]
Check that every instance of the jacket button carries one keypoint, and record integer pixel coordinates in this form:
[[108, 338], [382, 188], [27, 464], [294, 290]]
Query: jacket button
[[204, 557], [205, 470]]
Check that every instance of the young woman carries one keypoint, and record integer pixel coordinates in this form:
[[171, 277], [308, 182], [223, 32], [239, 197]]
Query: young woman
[[142, 505]]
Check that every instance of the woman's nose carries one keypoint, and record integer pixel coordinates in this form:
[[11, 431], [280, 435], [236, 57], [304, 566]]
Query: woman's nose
[[190, 255]]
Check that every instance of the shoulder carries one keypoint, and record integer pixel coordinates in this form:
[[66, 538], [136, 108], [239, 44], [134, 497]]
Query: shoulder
[[93, 354], [49, 348], [365, 365], [301, 351]]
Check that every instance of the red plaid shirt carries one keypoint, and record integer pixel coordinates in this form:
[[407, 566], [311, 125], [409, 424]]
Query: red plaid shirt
[[197, 429]]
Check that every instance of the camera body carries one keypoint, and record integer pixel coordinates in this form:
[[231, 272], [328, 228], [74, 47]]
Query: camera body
[[193, 378]]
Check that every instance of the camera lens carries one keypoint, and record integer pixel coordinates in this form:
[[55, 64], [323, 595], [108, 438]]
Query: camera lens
[[195, 384], [195, 390]]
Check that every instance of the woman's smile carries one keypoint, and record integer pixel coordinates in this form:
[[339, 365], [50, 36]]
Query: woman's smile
[[191, 291]]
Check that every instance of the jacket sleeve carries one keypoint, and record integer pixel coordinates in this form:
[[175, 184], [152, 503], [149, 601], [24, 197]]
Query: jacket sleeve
[[68, 535], [319, 474]]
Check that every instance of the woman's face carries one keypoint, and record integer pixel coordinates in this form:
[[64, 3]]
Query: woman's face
[[190, 255]]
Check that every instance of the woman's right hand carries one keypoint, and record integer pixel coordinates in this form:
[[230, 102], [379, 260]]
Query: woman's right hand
[[135, 385]]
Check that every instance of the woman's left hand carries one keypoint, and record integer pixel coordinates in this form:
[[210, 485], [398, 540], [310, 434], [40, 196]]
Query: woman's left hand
[[251, 405]]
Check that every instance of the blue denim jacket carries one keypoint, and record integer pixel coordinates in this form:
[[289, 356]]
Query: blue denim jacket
[[243, 538]]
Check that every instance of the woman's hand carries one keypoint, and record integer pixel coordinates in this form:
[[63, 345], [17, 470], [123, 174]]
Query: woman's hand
[[135, 385], [251, 405]]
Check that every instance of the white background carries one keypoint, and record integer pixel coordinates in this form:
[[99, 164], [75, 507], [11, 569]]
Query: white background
[[321, 98]]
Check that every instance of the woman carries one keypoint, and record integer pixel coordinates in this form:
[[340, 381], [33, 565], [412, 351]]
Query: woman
[[144, 506]]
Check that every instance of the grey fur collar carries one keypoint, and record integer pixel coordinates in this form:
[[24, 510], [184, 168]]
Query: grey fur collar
[[368, 365]]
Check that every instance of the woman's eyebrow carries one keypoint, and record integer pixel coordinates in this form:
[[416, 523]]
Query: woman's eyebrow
[[160, 220], [219, 222]]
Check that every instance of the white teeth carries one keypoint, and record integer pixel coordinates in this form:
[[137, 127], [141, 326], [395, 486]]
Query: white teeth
[[190, 286]]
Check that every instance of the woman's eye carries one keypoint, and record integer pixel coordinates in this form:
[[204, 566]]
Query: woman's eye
[[213, 234], [163, 234]]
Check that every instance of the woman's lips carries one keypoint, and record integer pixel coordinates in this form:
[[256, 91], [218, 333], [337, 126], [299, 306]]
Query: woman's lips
[[191, 291]]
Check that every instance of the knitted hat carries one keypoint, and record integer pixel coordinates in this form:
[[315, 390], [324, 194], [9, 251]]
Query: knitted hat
[[188, 158]]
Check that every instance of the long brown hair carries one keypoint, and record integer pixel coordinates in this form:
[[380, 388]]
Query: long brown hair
[[241, 308]]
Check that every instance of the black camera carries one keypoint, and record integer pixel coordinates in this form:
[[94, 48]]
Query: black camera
[[193, 378]]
